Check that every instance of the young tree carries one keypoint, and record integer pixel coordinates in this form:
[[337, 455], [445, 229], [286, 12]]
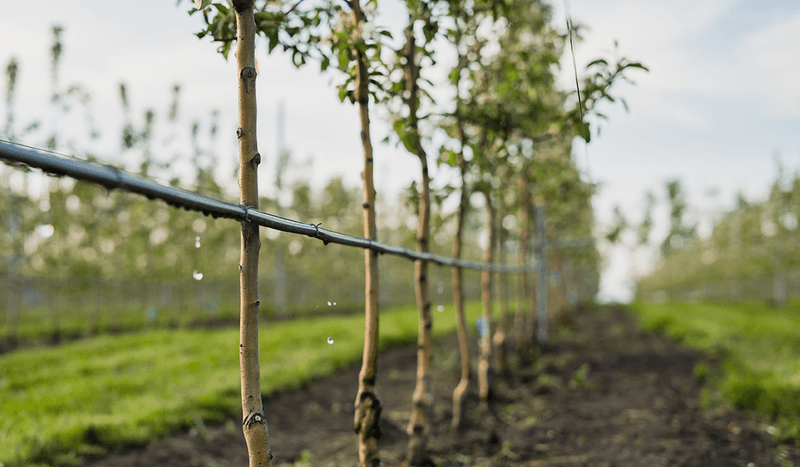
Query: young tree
[[409, 133], [368, 405], [328, 32], [466, 20], [419, 422], [254, 422], [500, 333], [484, 365], [680, 233]]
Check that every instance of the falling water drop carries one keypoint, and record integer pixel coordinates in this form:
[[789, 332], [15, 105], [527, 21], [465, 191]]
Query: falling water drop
[[329, 303], [334, 303], [197, 242], [440, 308], [330, 340], [197, 274]]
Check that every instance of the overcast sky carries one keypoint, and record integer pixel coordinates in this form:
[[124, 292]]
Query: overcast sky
[[722, 97]]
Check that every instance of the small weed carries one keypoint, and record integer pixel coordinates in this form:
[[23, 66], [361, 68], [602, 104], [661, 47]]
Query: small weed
[[661, 324], [530, 421], [700, 371], [580, 377], [544, 380], [304, 460], [563, 332], [395, 375]]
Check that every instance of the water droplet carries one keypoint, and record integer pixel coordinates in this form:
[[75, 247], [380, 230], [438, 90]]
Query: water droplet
[[440, 289], [440, 308], [151, 314], [197, 242], [329, 303], [197, 274], [334, 303], [330, 340]]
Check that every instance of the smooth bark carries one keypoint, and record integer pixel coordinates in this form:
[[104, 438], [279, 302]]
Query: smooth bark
[[458, 287], [500, 333], [419, 426], [368, 404], [523, 320], [542, 275], [458, 283], [254, 422], [484, 365]]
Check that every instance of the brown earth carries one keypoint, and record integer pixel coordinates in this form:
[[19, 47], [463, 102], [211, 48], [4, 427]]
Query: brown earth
[[603, 393]]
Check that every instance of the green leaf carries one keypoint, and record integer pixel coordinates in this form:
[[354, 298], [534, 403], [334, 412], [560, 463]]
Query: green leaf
[[201, 4], [637, 65], [453, 160], [454, 76], [599, 61], [224, 49], [343, 57], [272, 39], [583, 131]]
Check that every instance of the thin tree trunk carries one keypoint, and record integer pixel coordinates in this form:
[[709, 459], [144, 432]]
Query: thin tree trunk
[[484, 366], [418, 425], [500, 332], [458, 287], [368, 404], [542, 275], [522, 319], [254, 423]]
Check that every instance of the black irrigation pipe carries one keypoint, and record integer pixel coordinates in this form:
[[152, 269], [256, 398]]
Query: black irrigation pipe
[[112, 178]]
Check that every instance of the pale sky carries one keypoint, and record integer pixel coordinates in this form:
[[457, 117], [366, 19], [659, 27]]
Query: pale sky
[[722, 97]]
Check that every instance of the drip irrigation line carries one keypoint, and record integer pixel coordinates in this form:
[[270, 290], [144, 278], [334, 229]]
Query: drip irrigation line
[[112, 178]]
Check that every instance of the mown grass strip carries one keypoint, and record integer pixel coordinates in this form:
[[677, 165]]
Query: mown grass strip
[[759, 346], [84, 397]]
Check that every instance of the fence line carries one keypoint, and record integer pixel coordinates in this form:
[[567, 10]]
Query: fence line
[[113, 178]]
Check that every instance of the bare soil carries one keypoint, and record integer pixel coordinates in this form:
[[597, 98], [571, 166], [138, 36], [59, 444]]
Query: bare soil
[[602, 393]]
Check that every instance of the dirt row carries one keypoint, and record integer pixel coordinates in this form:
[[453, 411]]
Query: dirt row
[[602, 393]]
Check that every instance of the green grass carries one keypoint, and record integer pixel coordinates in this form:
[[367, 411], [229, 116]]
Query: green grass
[[759, 347], [62, 402], [38, 323]]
